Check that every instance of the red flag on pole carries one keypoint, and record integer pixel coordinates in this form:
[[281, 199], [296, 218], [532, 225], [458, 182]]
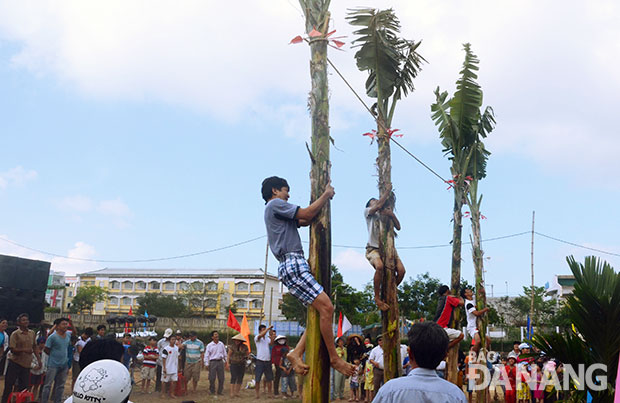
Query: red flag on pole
[[343, 325], [232, 322]]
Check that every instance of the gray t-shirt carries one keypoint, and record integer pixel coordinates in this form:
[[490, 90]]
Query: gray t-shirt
[[372, 222], [282, 227]]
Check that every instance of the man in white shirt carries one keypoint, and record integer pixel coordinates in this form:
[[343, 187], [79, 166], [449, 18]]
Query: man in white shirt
[[472, 316], [79, 345], [428, 345], [170, 367], [263, 359], [376, 359], [216, 359], [161, 344]]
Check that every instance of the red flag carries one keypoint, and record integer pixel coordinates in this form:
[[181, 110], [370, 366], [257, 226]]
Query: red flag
[[343, 325], [232, 322], [130, 311]]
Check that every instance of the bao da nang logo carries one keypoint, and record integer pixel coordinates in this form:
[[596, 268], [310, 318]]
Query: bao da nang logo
[[564, 378]]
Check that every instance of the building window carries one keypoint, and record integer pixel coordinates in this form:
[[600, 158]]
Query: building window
[[125, 301], [70, 294], [241, 303], [211, 286], [127, 285], [113, 301], [257, 304], [115, 285], [183, 285], [211, 303], [154, 285], [169, 286], [257, 286], [242, 287], [197, 286], [140, 285]]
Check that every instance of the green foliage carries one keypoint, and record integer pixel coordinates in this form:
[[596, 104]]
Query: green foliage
[[316, 13], [391, 62], [461, 124], [594, 309], [51, 309], [86, 296], [162, 305], [417, 298], [545, 308]]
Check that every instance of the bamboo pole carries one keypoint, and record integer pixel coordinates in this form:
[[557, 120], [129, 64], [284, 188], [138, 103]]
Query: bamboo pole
[[532, 289], [316, 383], [262, 308], [270, 305]]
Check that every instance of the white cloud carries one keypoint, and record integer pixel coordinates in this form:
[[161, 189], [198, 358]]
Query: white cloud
[[355, 269], [544, 65], [80, 250], [79, 205], [16, 176], [117, 209]]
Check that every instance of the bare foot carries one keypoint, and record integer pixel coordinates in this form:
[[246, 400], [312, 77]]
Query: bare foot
[[298, 364], [342, 366], [381, 305]]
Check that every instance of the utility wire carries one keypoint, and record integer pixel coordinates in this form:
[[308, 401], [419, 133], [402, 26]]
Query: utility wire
[[137, 260], [381, 124], [577, 245]]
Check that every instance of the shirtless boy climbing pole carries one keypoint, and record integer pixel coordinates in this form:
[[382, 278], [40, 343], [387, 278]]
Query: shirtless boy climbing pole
[[282, 220], [374, 209]]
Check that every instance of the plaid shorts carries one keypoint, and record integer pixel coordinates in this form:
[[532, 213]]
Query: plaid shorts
[[294, 273]]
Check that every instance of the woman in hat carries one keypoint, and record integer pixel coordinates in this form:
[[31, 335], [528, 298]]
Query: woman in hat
[[237, 355]]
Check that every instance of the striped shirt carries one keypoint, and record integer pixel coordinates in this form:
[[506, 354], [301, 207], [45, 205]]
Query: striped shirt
[[150, 356]]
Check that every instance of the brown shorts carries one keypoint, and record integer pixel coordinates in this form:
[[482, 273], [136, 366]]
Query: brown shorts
[[372, 253], [148, 373], [192, 371]]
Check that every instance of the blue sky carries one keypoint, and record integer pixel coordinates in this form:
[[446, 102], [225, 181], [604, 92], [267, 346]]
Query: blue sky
[[133, 132]]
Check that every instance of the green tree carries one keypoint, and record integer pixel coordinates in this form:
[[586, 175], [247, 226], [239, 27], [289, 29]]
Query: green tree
[[545, 308], [417, 298], [594, 309], [166, 306], [392, 63], [85, 298]]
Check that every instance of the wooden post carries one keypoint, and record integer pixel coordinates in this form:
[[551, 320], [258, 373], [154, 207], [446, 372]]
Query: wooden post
[[389, 318], [455, 284], [270, 305], [316, 383], [532, 290], [262, 309]]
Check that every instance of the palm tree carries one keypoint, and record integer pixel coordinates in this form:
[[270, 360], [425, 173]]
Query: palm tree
[[594, 310], [316, 385], [461, 126], [392, 63]]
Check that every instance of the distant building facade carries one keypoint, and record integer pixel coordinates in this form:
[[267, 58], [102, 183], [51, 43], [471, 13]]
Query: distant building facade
[[563, 286], [54, 294], [210, 292]]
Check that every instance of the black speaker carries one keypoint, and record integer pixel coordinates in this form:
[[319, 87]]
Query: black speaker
[[23, 283]]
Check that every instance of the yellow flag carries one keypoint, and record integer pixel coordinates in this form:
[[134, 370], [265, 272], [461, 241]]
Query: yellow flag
[[245, 332]]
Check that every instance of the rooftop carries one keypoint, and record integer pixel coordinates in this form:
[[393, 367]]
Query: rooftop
[[171, 272]]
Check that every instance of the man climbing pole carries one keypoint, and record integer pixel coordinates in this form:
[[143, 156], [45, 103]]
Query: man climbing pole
[[472, 316], [374, 209], [282, 220], [443, 316]]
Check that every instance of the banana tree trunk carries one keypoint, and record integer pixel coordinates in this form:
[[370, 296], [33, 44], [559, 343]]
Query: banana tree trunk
[[457, 229], [480, 296], [389, 318], [316, 384]]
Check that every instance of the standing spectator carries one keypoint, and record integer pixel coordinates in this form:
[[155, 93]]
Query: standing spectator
[[161, 344], [237, 355], [288, 377], [354, 385], [368, 381], [215, 361], [339, 377], [151, 354], [56, 348], [170, 368], [367, 349], [263, 359], [376, 360], [4, 343], [82, 341], [194, 355], [100, 332], [126, 353], [279, 349], [355, 348], [22, 344], [428, 345], [37, 373]]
